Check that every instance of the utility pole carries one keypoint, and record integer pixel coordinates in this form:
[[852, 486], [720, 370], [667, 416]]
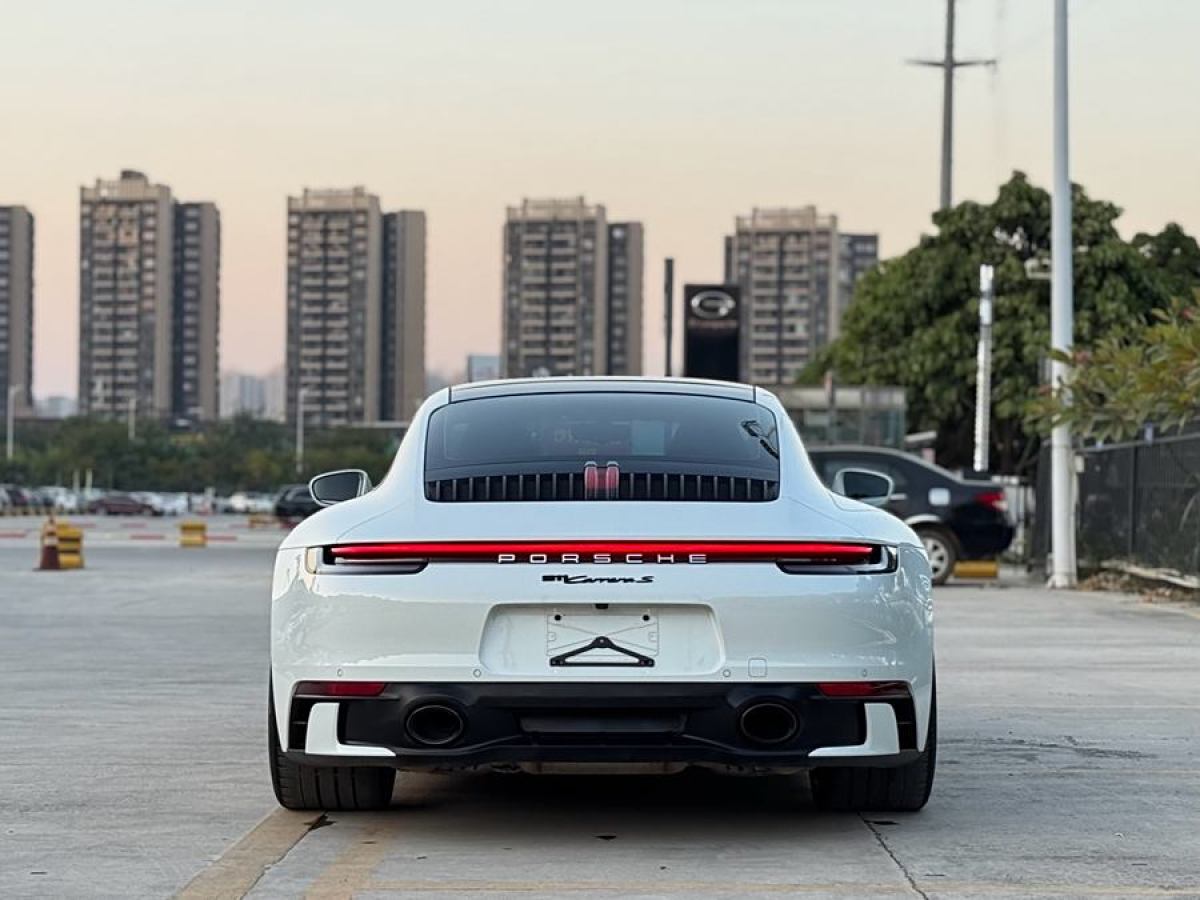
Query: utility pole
[[983, 372], [948, 64], [669, 307], [1062, 314], [132, 418]]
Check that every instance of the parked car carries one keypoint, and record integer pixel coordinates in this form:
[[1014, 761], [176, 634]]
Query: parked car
[[163, 504], [559, 577], [117, 504], [956, 519], [20, 500], [295, 502]]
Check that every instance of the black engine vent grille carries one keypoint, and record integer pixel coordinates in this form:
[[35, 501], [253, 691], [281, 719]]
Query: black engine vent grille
[[631, 486]]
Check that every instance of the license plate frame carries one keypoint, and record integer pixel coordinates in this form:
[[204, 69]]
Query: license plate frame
[[608, 638]]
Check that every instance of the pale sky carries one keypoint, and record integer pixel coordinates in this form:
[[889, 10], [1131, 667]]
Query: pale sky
[[678, 113]]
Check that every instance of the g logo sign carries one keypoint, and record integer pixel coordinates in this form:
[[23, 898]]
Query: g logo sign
[[713, 305]]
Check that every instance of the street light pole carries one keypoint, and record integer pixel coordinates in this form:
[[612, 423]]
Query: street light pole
[[1062, 476], [300, 394], [13, 390], [983, 371]]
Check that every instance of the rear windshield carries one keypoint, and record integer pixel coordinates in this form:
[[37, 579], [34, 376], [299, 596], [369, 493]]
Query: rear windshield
[[543, 433]]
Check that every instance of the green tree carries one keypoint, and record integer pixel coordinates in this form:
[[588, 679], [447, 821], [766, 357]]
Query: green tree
[[1121, 383], [914, 320]]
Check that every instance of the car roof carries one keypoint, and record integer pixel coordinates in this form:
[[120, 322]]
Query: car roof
[[607, 384]]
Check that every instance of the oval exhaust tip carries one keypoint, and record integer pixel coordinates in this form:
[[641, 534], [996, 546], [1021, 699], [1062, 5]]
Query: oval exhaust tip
[[768, 722], [435, 724]]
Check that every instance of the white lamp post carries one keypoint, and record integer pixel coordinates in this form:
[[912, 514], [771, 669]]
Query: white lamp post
[[300, 395], [13, 390], [1062, 301]]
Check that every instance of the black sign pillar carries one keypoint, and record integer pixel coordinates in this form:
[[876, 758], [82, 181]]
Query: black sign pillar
[[711, 331]]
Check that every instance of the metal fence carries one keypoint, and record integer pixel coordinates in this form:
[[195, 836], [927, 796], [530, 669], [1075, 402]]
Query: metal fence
[[1138, 502]]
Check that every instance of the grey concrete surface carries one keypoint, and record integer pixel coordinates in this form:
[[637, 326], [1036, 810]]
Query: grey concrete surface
[[131, 739], [131, 717]]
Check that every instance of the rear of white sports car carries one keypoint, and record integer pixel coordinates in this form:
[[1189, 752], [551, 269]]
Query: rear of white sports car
[[602, 575]]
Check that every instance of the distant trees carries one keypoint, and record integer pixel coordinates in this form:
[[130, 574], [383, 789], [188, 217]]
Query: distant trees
[[240, 454], [914, 320]]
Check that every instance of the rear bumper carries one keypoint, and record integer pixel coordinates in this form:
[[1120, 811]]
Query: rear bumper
[[523, 725]]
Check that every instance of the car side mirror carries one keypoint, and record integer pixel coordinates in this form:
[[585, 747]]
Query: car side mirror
[[329, 488], [872, 488]]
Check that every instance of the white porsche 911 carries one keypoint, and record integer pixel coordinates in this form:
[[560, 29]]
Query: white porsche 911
[[602, 574]]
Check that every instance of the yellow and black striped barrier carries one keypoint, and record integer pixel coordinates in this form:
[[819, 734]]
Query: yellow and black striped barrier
[[193, 533], [70, 546], [977, 568]]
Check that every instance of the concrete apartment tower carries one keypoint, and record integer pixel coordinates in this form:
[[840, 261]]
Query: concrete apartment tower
[[356, 309], [334, 289], [626, 268], [402, 331], [149, 302], [16, 309], [126, 243], [195, 348], [797, 273], [555, 317]]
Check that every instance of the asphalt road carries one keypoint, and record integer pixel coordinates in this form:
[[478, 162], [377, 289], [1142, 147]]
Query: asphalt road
[[131, 765]]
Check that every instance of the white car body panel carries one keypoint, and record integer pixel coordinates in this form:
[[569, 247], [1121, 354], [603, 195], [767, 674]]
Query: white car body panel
[[727, 623]]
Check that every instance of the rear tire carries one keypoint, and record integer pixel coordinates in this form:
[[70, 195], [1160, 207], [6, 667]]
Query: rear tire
[[344, 788], [899, 789], [942, 552]]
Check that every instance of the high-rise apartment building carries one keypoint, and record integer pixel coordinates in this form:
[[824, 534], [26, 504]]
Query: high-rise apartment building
[[483, 367], [243, 394], [796, 272], [356, 309], [16, 310], [572, 291], [625, 271], [126, 242], [149, 301], [196, 321], [403, 320], [334, 287]]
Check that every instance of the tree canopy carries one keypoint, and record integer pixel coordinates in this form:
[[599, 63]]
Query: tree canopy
[[1123, 382], [915, 319]]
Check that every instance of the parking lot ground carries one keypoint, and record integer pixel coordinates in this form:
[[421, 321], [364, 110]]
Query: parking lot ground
[[132, 764], [131, 716]]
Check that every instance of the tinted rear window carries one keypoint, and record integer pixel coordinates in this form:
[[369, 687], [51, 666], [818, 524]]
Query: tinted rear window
[[547, 433]]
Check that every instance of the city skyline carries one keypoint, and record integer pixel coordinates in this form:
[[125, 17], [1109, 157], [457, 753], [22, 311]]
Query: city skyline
[[438, 115]]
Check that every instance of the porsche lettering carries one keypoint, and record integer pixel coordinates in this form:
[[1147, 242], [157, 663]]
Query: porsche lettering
[[604, 559]]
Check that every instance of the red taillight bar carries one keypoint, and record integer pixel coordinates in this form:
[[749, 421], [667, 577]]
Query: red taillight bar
[[863, 689], [340, 688], [816, 552]]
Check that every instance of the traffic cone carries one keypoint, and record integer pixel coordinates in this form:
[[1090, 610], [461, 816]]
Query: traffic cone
[[49, 559]]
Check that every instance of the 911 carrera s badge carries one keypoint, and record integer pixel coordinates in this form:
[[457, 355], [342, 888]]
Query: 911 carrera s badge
[[587, 579]]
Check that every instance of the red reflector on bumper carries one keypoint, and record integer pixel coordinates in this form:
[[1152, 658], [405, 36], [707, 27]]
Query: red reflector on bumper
[[340, 688], [863, 688]]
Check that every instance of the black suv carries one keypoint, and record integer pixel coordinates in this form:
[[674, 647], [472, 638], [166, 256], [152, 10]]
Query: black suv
[[295, 502], [955, 519]]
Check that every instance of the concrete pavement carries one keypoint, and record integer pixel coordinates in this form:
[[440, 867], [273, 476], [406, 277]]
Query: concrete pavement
[[131, 755]]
